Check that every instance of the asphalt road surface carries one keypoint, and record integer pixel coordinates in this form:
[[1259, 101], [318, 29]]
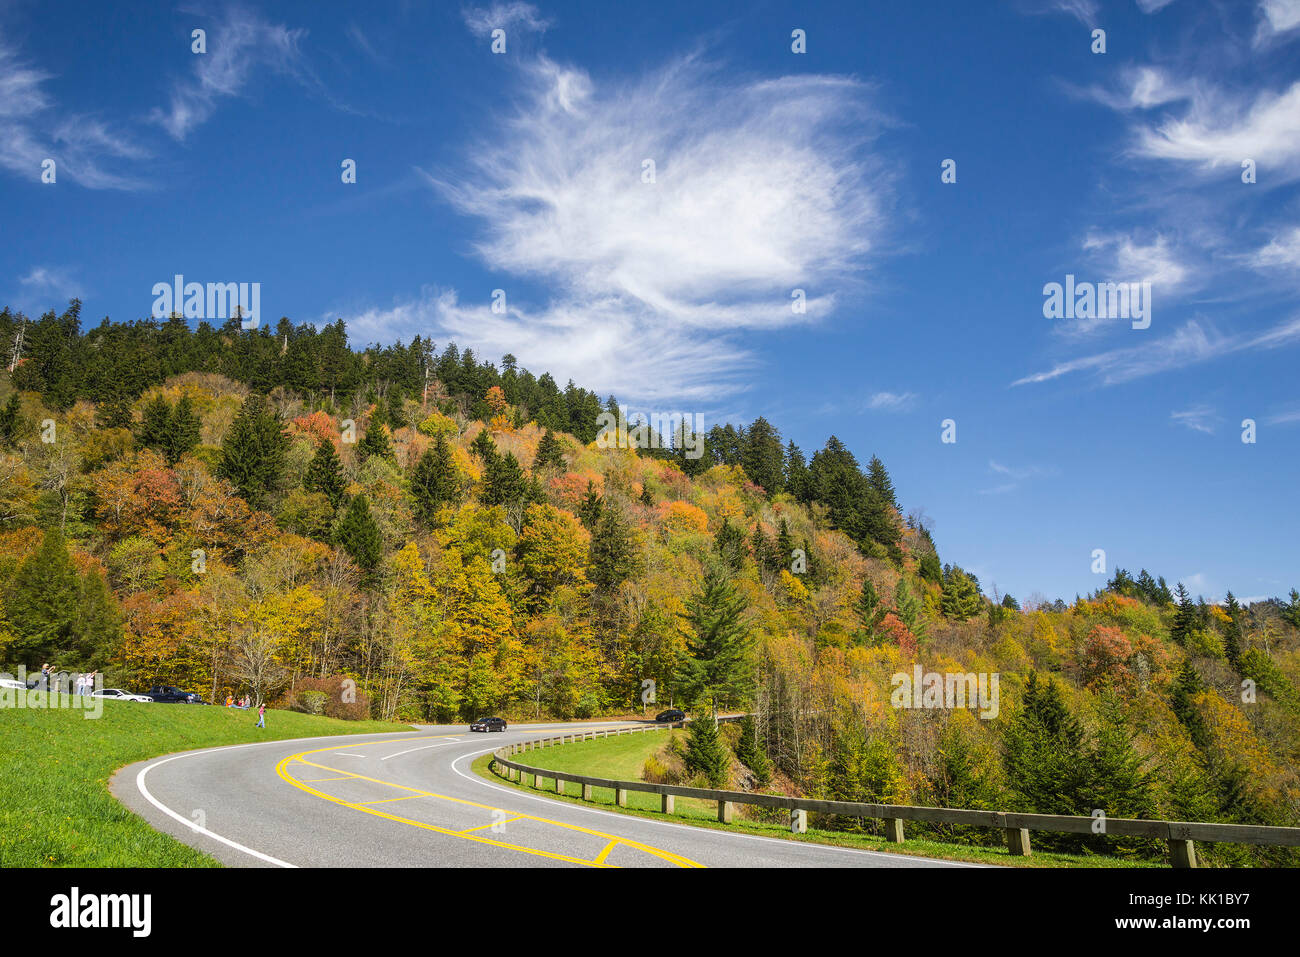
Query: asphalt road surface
[[411, 800]]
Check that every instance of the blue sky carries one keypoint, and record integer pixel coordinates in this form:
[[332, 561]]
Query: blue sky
[[773, 171]]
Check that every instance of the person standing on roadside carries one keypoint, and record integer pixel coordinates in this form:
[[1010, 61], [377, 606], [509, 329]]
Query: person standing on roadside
[[261, 715]]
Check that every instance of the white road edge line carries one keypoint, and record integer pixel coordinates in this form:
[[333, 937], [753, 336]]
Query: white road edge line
[[144, 790], [687, 827], [148, 796]]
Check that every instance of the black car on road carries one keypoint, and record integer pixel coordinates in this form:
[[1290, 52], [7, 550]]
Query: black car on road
[[168, 695], [671, 715], [489, 724]]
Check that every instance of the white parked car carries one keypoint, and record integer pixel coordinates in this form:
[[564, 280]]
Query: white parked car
[[120, 695], [7, 682]]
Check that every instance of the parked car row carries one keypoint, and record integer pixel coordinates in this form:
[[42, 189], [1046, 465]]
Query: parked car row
[[159, 693]]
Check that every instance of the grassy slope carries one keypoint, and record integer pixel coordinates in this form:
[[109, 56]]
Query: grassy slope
[[621, 758], [55, 807]]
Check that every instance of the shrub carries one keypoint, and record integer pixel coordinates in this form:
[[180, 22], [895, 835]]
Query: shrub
[[335, 697]]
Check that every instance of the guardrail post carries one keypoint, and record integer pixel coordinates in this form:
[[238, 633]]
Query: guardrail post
[[725, 811], [1018, 841], [559, 786], [537, 781], [1182, 853], [894, 830], [512, 774], [666, 803], [798, 821], [620, 797], [586, 792]]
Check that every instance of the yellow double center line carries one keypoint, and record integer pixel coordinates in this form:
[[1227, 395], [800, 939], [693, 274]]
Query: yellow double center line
[[469, 834]]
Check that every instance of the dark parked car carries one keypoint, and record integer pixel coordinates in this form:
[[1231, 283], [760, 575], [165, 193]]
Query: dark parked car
[[168, 695], [489, 724], [671, 715]]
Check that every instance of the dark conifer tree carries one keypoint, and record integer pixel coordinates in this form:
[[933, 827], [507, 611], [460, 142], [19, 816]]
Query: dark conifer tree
[[706, 754], [591, 508], [359, 535], [613, 552], [1185, 617], [434, 481], [1232, 631], [549, 453], [325, 474], [155, 424], [718, 664], [762, 457], [183, 431], [375, 443], [729, 541], [253, 452]]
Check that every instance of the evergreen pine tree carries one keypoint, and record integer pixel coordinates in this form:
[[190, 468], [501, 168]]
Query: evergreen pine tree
[[1185, 617], [183, 430], [1118, 779], [706, 754], [113, 413], [434, 481], [325, 474], [591, 508], [375, 443], [396, 410], [870, 609], [359, 535], [796, 474], [155, 424], [56, 614], [961, 599], [762, 457], [1232, 631], [729, 543], [10, 417], [1043, 753], [878, 481], [718, 663], [1187, 684], [612, 550], [253, 451], [751, 752], [784, 544], [549, 453], [909, 609]]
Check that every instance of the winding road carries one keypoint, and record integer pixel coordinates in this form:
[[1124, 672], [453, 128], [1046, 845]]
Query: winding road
[[411, 800]]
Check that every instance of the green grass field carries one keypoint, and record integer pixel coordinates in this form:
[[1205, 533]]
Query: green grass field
[[55, 807], [622, 757]]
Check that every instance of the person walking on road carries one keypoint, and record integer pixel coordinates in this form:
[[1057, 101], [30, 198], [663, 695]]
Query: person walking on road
[[261, 715]]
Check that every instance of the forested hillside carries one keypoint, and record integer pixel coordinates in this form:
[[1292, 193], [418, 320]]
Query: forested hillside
[[271, 512]]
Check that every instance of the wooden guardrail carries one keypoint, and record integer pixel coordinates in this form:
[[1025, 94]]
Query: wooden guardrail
[[1181, 835]]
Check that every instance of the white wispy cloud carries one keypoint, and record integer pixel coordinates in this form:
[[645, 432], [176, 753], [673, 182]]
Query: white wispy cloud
[[1193, 343], [760, 188], [481, 21], [1277, 17], [1282, 251], [1015, 476], [1199, 418], [1132, 260], [1085, 11], [239, 48], [892, 401], [83, 147], [46, 287], [1290, 417], [1218, 129]]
